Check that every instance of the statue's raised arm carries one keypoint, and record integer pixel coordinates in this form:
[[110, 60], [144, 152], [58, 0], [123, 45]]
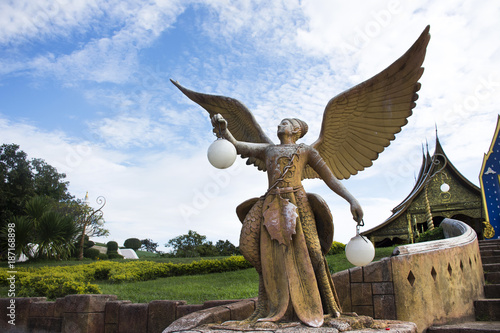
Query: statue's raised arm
[[241, 122], [254, 151]]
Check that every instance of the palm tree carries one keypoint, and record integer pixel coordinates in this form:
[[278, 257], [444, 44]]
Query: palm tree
[[44, 232], [55, 235]]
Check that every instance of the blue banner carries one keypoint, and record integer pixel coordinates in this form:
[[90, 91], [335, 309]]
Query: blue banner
[[490, 187]]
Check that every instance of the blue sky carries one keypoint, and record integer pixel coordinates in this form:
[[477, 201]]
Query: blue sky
[[85, 86]]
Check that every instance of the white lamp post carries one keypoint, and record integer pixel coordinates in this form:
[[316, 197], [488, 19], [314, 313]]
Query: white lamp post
[[359, 251]]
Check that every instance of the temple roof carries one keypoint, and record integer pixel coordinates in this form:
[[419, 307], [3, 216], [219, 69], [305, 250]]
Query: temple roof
[[430, 165]]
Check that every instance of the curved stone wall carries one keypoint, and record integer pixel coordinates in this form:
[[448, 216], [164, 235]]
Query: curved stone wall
[[426, 283]]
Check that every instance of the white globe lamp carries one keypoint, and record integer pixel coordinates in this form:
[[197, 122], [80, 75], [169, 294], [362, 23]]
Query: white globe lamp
[[359, 251], [221, 154]]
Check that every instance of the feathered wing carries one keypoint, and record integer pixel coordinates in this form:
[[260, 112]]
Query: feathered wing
[[240, 121], [359, 123]]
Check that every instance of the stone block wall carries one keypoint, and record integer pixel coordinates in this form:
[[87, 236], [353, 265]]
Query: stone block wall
[[367, 290], [106, 314]]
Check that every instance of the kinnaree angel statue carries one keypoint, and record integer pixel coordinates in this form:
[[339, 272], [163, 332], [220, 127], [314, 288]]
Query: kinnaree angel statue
[[287, 232]]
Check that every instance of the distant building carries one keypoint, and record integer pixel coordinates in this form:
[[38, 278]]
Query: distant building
[[440, 191]]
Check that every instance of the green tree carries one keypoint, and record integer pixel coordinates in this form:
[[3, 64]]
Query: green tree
[[207, 249], [21, 179], [47, 181], [149, 245], [226, 248], [55, 236], [90, 221], [186, 245], [16, 182]]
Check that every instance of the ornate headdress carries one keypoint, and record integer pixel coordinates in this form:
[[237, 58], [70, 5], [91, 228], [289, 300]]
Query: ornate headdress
[[300, 124]]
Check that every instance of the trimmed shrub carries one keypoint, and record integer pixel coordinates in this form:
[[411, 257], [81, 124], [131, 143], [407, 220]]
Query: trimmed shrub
[[112, 247], [54, 285], [337, 248], [133, 243], [91, 253]]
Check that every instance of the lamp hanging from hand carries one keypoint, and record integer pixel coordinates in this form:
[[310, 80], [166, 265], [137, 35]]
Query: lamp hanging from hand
[[359, 251], [221, 153]]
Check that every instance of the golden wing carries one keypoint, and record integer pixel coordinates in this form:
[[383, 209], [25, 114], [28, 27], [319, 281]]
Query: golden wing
[[240, 121], [359, 123]]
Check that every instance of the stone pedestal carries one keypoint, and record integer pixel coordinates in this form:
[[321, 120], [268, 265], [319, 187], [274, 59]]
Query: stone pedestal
[[214, 320]]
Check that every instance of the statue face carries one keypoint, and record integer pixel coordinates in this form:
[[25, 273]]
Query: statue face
[[285, 128]]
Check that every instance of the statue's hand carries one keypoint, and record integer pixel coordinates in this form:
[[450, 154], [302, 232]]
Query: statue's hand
[[219, 124], [357, 212]]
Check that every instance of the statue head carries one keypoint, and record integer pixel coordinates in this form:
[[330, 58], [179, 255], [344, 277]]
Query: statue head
[[296, 127]]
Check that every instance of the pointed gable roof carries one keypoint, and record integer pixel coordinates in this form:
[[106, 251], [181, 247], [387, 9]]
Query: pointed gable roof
[[430, 166]]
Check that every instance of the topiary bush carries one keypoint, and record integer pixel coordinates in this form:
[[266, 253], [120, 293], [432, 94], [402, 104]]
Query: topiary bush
[[133, 243], [91, 253], [112, 247], [112, 252]]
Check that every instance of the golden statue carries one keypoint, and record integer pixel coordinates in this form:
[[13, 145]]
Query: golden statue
[[287, 232]]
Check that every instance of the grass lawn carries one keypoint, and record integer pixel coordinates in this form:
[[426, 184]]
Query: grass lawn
[[194, 289]]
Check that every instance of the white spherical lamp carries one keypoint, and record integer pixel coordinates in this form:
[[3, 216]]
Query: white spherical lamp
[[221, 154], [444, 187], [359, 251]]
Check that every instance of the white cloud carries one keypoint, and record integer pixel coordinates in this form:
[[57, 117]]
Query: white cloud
[[26, 20], [128, 131], [110, 57]]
